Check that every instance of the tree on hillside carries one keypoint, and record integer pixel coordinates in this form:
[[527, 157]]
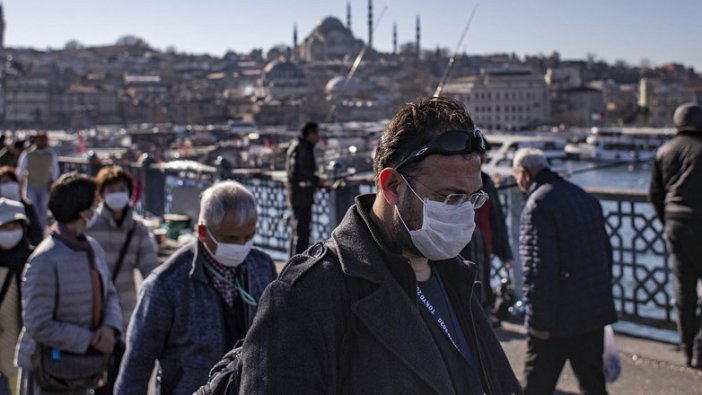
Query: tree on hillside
[[132, 41]]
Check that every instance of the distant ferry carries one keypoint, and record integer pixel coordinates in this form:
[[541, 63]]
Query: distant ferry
[[620, 144], [505, 146]]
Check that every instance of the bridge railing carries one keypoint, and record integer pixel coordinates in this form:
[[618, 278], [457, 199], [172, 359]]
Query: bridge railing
[[642, 276]]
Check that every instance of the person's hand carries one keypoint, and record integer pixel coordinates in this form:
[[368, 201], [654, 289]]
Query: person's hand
[[541, 335], [103, 339], [508, 265]]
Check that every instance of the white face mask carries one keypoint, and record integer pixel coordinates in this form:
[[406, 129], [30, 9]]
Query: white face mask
[[10, 238], [229, 254], [10, 190], [91, 221], [117, 200], [446, 229]]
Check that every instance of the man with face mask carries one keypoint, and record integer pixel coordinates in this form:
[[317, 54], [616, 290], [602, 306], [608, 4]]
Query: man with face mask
[[197, 305], [567, 259], [37, 169], [14, 251], [386, 306]]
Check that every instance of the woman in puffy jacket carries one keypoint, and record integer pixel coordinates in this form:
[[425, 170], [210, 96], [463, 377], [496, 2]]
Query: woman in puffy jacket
[[69, 304]]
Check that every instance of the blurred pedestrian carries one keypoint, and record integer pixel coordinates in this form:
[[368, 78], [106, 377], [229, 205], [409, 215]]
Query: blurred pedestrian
[[10, 189], [197, 305], [676, 194], [14, 251], [11, 153], [490, 238], [567, 260], [70, 308], [302, 181], [37, 168], [128, 246]]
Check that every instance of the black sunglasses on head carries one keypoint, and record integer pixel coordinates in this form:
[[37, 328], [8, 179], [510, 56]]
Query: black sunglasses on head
[[451, 142]]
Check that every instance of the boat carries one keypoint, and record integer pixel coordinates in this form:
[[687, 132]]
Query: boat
[[500, 157], [620, 144]]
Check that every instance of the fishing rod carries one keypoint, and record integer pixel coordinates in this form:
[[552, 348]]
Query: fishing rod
[[600, 167], [586, 170], [354, 67], [452, 59]]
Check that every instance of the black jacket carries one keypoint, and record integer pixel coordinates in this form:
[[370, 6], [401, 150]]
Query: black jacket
[[300, 167], [500, 237], [567, 259], [343, 319], [676, 180]]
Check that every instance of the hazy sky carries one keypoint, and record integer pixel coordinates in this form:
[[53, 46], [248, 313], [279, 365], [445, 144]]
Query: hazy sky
[[661, 31]]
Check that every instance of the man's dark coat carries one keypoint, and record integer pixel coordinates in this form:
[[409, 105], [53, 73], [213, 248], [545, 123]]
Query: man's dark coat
[[344, 319]]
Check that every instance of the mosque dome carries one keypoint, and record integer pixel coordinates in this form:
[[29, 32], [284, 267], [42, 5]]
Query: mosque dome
[[330, 24], [282, 68], [335, 86]]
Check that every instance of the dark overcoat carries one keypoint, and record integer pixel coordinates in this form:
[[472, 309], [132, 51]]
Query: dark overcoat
[[342, 319]]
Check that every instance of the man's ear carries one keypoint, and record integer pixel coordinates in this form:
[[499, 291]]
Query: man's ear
[[201, 233], [389, 185]]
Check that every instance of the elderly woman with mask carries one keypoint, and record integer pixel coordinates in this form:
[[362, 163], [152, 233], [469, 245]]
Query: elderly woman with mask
[[70, 308], [127, 243]]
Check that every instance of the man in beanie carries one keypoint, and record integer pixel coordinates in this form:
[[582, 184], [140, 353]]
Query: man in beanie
[[676, 194]]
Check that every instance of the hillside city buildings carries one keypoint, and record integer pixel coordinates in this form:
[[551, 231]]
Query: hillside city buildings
[[129, 82]]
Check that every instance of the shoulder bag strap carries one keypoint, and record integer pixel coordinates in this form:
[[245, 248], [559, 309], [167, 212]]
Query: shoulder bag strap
[[6, 284], [123, 252]]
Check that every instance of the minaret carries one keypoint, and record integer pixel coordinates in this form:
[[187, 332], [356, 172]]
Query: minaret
[[370, 24], [348, 15], [295, 38], [394, 38], [2, 27], [419, 48]]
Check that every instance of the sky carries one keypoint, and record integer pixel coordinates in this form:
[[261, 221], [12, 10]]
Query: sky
[[658, 31]]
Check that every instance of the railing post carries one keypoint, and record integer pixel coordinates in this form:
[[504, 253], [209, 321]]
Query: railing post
[[154, 188], [341, 195], [515, 206]]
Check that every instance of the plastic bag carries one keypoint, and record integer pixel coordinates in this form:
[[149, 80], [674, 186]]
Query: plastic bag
[[612, 365]]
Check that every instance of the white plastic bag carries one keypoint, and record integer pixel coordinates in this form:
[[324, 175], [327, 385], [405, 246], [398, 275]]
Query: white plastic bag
[[612, 365]]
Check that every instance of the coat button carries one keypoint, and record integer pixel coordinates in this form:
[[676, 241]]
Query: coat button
[[316, 250]]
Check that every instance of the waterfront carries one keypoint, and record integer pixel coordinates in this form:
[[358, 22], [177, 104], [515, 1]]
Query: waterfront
[[634, 177]]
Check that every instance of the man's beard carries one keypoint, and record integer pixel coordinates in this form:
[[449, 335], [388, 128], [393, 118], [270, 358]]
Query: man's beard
[[413, 218]]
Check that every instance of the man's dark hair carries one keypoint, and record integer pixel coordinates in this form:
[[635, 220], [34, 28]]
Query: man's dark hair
[[415, 125], [110, 175], [9, 171], [71, 194], [309, 127], [19, 144]]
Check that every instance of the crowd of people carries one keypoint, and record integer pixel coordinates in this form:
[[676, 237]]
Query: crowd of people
[[390, 303]]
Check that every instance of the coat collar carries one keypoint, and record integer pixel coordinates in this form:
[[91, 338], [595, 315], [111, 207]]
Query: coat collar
[[106, 215], [197, 271], [545, 176], [391, 311]]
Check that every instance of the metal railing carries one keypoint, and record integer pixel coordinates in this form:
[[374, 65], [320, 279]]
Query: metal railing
[[642, 276]]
